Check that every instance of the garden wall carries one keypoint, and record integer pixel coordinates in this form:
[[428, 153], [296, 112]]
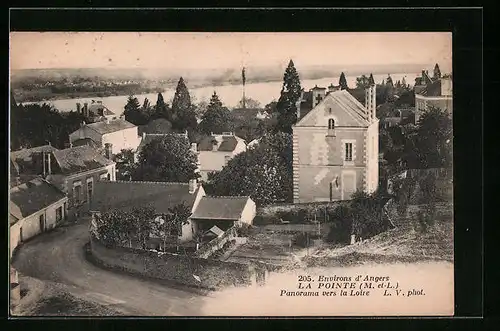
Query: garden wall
[[214, 274]]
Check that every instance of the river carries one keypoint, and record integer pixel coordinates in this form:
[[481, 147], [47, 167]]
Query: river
[[230, 95]]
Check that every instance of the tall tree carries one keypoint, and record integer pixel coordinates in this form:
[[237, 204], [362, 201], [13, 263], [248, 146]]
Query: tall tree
[[287, 103], [216, 118], [343, 82], [403, 82], [166, 159], [362, 82], [388, 81], [437, 72], [133, 112], [161, 109], [181, 101], [125, 164], [183, 111]]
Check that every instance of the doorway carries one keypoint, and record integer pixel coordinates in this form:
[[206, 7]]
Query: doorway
[[41, 220]]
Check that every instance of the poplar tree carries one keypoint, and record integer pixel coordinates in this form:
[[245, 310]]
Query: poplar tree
[[183, 113], [290, 94], [343, 82]]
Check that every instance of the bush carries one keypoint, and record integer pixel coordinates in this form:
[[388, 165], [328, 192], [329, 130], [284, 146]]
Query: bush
[[301, 240], [244, 230], [341, 225]]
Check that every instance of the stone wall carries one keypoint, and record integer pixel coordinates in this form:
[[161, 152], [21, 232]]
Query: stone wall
[[213, 274]]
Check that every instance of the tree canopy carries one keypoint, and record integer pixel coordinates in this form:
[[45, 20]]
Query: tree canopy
[[183, 115], [134, 113], [166, 159], [264, 172], [343, 82], [216, 118], [287, 103]]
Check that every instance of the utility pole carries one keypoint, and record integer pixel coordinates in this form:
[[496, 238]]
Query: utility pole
[[243, 78]]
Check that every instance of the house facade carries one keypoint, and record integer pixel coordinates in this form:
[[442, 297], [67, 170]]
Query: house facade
[[111, 135], [215, 151], [35, 207], [335, 146]]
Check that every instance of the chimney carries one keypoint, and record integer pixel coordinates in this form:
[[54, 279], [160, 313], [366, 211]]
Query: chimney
[[49, 171], [193, 147], [192, 185], [85, 109], [108, 150], [144, 135], [78, 108], [370, 102]]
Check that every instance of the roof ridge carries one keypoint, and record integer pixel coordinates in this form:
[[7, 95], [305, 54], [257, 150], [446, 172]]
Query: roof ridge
[[226, 196], [144, 182]]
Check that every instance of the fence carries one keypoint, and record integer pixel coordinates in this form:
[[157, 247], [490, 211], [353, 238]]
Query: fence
[[215, 244]]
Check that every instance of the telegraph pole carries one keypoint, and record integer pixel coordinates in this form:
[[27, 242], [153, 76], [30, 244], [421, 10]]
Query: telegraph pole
[[243, 78]]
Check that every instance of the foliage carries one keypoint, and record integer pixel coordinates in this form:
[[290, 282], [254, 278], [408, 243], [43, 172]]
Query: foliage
[[161, 109], [216, 118], [362, 82], [249, 103], [134, 112], [301, 239], [287, 103], [183, 115], [118, 227], [364, 217], [125, 164], [172, 222], [166, 159], [159, 125], [36, 125], [264, 172], [343, 82], [250, 129]]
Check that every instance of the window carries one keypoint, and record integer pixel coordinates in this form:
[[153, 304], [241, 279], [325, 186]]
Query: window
[[330, 111], [77, 193], [348, 152], [59, 214], [331, 124], [90, 188]]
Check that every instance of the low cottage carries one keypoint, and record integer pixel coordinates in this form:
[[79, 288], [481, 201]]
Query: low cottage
[[160, 195], [34, 207], [223, 212]]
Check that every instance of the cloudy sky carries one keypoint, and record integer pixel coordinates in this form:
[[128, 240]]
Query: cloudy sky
[[34, 50]]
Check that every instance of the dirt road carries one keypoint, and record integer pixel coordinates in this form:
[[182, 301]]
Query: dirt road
[[58, 257]]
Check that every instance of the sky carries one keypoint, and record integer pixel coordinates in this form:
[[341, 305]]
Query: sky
[[42, 50]]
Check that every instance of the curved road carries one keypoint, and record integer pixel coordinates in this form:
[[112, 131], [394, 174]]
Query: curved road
[[59, 257]]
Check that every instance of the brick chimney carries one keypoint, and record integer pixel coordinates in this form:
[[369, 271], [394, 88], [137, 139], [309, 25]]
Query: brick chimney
[[193, 184], [108, 150]]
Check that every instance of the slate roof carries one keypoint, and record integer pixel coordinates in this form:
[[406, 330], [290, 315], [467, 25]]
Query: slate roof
[[227, 143], [349, 103], [78, 159], [31, 197], [126, 195], [220, 208], [103, 127]]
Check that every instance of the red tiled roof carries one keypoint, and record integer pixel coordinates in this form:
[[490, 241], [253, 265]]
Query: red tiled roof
[[78, 159], [220, 208], [126, 195], [104, 127]]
